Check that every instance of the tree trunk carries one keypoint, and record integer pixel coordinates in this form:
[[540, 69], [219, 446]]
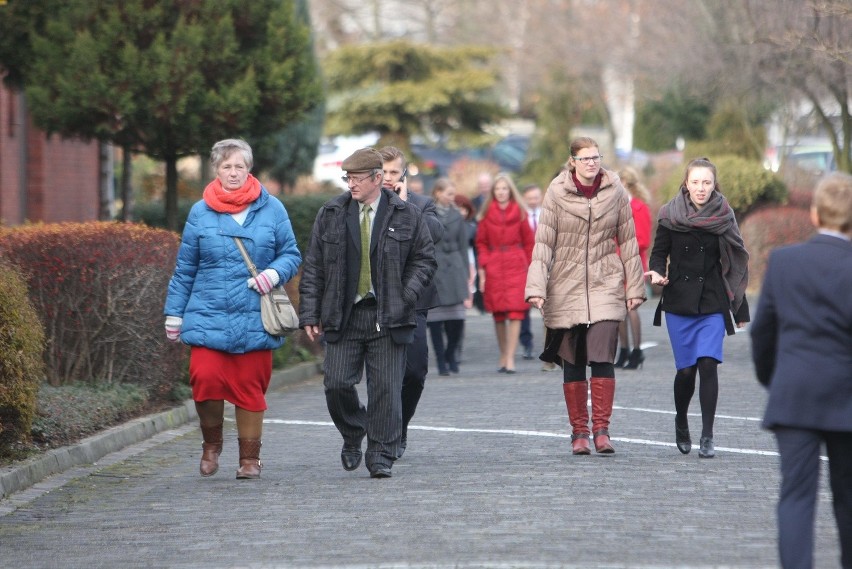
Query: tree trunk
[[107, 185], [171, 193], [128, 207]]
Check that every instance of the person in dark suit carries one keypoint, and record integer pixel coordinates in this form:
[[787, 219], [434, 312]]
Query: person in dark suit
[[417, 353], [802, 351], [369, 260]]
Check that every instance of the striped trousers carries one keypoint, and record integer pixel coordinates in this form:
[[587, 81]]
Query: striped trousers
[[362, 347]]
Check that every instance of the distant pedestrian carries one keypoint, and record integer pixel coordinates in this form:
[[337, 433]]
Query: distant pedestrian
[[532, 199], [452, 280], [213, 303], [577, 278], [802, 351], [639, 199], [394, 168], [504, 243], [699, 249], [369, 260], [484, 181]]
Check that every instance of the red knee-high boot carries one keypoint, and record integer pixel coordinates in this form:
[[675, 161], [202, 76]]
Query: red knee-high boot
[[576, 394], [603, 392]]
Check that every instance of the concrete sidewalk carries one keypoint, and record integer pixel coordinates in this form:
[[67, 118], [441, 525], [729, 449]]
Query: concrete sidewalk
[[488, 480]]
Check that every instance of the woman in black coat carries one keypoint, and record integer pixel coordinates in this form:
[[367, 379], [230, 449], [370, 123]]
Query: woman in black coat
[[700, 251], [452, 280]]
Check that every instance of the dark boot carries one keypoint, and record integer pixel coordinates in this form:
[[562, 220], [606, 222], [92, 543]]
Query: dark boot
[[623, 356], [603, 392], [636, 359], [576, 394], [249, 459], [211, 448]]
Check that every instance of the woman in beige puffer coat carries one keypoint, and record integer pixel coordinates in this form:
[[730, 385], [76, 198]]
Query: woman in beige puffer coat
[[583, 287]]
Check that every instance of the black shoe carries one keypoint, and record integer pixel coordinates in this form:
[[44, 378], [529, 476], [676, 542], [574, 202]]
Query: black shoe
[[509, 371], [528, 353], [380, 471], [705, 448], [682, 439], [501, 370], [351, 456], [636, 359], [623, 356], [403, 444]]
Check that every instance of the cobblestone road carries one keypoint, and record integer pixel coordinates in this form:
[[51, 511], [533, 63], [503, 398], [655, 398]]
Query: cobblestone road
[[488, 481]]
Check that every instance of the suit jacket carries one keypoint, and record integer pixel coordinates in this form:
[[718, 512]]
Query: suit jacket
[[429, 298], [402, 264], [802, 335]]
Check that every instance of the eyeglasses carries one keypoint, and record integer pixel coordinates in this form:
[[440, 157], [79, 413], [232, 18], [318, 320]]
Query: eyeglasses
[[354, 180], [588, 159]]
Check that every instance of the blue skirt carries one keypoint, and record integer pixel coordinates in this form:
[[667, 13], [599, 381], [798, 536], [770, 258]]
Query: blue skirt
[[694, 337]]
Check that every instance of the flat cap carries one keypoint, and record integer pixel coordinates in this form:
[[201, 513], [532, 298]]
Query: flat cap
[[363, 160]]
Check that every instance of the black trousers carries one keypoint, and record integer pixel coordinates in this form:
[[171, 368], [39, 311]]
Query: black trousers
[[416, 368], [800, 470], [362, 347]]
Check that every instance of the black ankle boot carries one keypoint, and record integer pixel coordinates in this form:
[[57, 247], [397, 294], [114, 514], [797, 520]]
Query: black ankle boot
[[682, 438], [636, 359], [623, 356]]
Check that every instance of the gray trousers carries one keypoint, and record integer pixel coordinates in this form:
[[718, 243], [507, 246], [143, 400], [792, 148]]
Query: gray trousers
[[361, 347]]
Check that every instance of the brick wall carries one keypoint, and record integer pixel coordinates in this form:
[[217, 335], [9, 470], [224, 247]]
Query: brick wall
[[59, 176]]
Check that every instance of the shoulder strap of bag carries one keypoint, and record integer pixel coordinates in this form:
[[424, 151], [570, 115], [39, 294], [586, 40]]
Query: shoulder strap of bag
[[252, 269]]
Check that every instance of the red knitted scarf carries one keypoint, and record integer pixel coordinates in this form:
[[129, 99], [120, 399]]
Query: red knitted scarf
[[221, 200]]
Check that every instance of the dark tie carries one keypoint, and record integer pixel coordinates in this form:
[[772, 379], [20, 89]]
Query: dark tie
[[364, 277]]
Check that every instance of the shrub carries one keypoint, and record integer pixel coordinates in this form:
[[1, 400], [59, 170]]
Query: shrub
[[21, 368], [71, 412], [303, 212], [99, 290], [745, 183], [769, 228]]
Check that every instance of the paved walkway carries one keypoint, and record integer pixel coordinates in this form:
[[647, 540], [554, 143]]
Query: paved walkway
[[488, 481]]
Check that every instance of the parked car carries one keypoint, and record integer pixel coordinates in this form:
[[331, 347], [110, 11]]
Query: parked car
[[332, 151], [816, 157]]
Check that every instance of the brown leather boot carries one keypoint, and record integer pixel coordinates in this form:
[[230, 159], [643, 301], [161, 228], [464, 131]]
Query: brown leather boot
[[211, 448], [250, 464], [603, 392], [576, 393]]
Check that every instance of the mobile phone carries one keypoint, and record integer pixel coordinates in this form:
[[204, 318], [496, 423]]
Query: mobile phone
[[404, 172]]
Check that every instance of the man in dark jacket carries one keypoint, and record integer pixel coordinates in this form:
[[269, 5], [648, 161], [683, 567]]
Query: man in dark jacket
[[802, 351], [365, 305], [417, 354]]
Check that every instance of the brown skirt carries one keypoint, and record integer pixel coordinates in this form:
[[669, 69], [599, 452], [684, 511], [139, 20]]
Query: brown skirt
[[581, 344]]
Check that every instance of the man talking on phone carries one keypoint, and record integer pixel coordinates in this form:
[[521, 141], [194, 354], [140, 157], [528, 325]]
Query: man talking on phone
[[417, 352]]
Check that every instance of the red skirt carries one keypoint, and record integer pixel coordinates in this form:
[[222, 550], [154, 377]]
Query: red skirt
[[241, 379]]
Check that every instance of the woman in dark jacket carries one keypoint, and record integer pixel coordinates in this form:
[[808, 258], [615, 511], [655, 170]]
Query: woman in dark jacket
[[707, 276], [452, 280]]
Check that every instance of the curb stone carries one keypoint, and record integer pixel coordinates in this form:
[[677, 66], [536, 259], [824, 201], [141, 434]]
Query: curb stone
[[21, 476]]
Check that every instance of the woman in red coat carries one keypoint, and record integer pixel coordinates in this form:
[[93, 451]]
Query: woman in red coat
[[639, 199], [504, 243]]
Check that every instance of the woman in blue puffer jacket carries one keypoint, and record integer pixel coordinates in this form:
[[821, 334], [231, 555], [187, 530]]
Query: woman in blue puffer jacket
[[213, 303]]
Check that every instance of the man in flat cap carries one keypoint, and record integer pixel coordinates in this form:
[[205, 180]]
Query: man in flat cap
[[369, 260]]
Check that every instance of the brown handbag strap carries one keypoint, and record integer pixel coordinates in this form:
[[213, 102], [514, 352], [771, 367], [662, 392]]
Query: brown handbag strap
[[252, 269]]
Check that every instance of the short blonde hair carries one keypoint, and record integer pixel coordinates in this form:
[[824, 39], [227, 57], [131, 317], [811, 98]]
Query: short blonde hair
[[833, 202]]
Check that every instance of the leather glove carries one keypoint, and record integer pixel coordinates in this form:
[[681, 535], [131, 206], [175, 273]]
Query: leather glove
[[173, 324], [265, 281]]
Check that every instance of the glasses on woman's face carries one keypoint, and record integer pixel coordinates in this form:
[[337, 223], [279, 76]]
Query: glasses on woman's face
[[353, 180], [588, 159]]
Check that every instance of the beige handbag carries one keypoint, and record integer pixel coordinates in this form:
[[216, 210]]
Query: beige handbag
[[276, 311]]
